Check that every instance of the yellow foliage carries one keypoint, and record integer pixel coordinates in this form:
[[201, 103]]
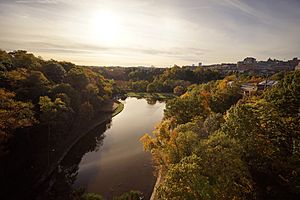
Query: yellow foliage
[[17, 75], [222, 85]]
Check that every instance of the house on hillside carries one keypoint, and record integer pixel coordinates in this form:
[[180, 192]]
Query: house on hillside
[[249, 88], [266, 84], [271, 66]]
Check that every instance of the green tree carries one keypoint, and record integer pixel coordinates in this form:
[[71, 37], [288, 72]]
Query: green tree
[[213, 122], [151, 88], [54, 71], [187, 107], [22, 59], [139, 86], [271, 146], [67, 65], [77, 78], [35, 85], [75, 97], [91, 196], [214, 171], [179, 90], [5, 61], [13, 115], [286, 96], [50, 115]]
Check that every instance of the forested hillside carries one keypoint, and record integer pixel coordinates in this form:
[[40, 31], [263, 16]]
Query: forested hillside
[[45, 106], [216, 144], [158, 80], [35, 91]]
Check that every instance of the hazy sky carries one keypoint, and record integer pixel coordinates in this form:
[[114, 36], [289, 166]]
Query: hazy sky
[[151, 32]]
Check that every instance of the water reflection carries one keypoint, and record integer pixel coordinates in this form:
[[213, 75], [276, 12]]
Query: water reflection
[[110, 159], [59, 186]]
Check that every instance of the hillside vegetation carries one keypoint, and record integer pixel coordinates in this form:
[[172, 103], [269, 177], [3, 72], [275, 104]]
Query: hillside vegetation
[[216, 144], [34, 91]]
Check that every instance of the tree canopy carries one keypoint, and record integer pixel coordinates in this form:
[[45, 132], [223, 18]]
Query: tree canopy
[[216, 144]]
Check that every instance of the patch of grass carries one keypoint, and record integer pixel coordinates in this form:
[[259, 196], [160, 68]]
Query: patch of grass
[[118, 109], [158, 96]]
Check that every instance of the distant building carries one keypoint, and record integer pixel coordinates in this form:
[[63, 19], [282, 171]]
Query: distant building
[[193, 67], [271, 66], [248, 64], [249, 60], [249, 88], [266, 84]]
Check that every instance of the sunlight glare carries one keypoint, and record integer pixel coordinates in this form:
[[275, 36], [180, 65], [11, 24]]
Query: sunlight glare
[[105, 27]]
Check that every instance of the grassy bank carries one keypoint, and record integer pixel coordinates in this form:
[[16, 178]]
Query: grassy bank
[[158, 96], [118, 109]]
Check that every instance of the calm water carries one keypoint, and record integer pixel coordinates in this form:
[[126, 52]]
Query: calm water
[[119, 164]]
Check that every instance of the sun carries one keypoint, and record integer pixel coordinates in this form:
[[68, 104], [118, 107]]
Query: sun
[[105, 27]]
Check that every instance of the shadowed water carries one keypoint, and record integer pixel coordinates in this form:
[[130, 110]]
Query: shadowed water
[[110, 160]]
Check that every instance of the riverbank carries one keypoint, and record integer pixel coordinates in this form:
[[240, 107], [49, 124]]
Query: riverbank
[[159, 180], [105, 116], [119, 108]]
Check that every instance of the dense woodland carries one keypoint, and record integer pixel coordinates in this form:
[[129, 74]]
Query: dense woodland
[[35, 92], [216, 144], [213, 143], [45, 106], [158, 80]]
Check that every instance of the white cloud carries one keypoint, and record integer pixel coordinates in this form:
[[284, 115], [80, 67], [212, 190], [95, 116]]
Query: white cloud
[[149, 32], [38, 1]]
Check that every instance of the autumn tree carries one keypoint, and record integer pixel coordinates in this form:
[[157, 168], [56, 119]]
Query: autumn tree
[[13, 115], [271, 146], [186, 107], [179, 90], [214, 171]]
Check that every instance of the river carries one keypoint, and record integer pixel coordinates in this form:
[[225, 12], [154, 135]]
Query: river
[[110, 160]]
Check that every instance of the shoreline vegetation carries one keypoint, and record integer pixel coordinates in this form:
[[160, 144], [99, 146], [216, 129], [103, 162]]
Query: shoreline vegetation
[[158, 182], [146, 95]]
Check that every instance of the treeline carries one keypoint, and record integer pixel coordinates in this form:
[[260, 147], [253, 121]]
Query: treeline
[[158, 80], [46, 93], [213, 143]]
